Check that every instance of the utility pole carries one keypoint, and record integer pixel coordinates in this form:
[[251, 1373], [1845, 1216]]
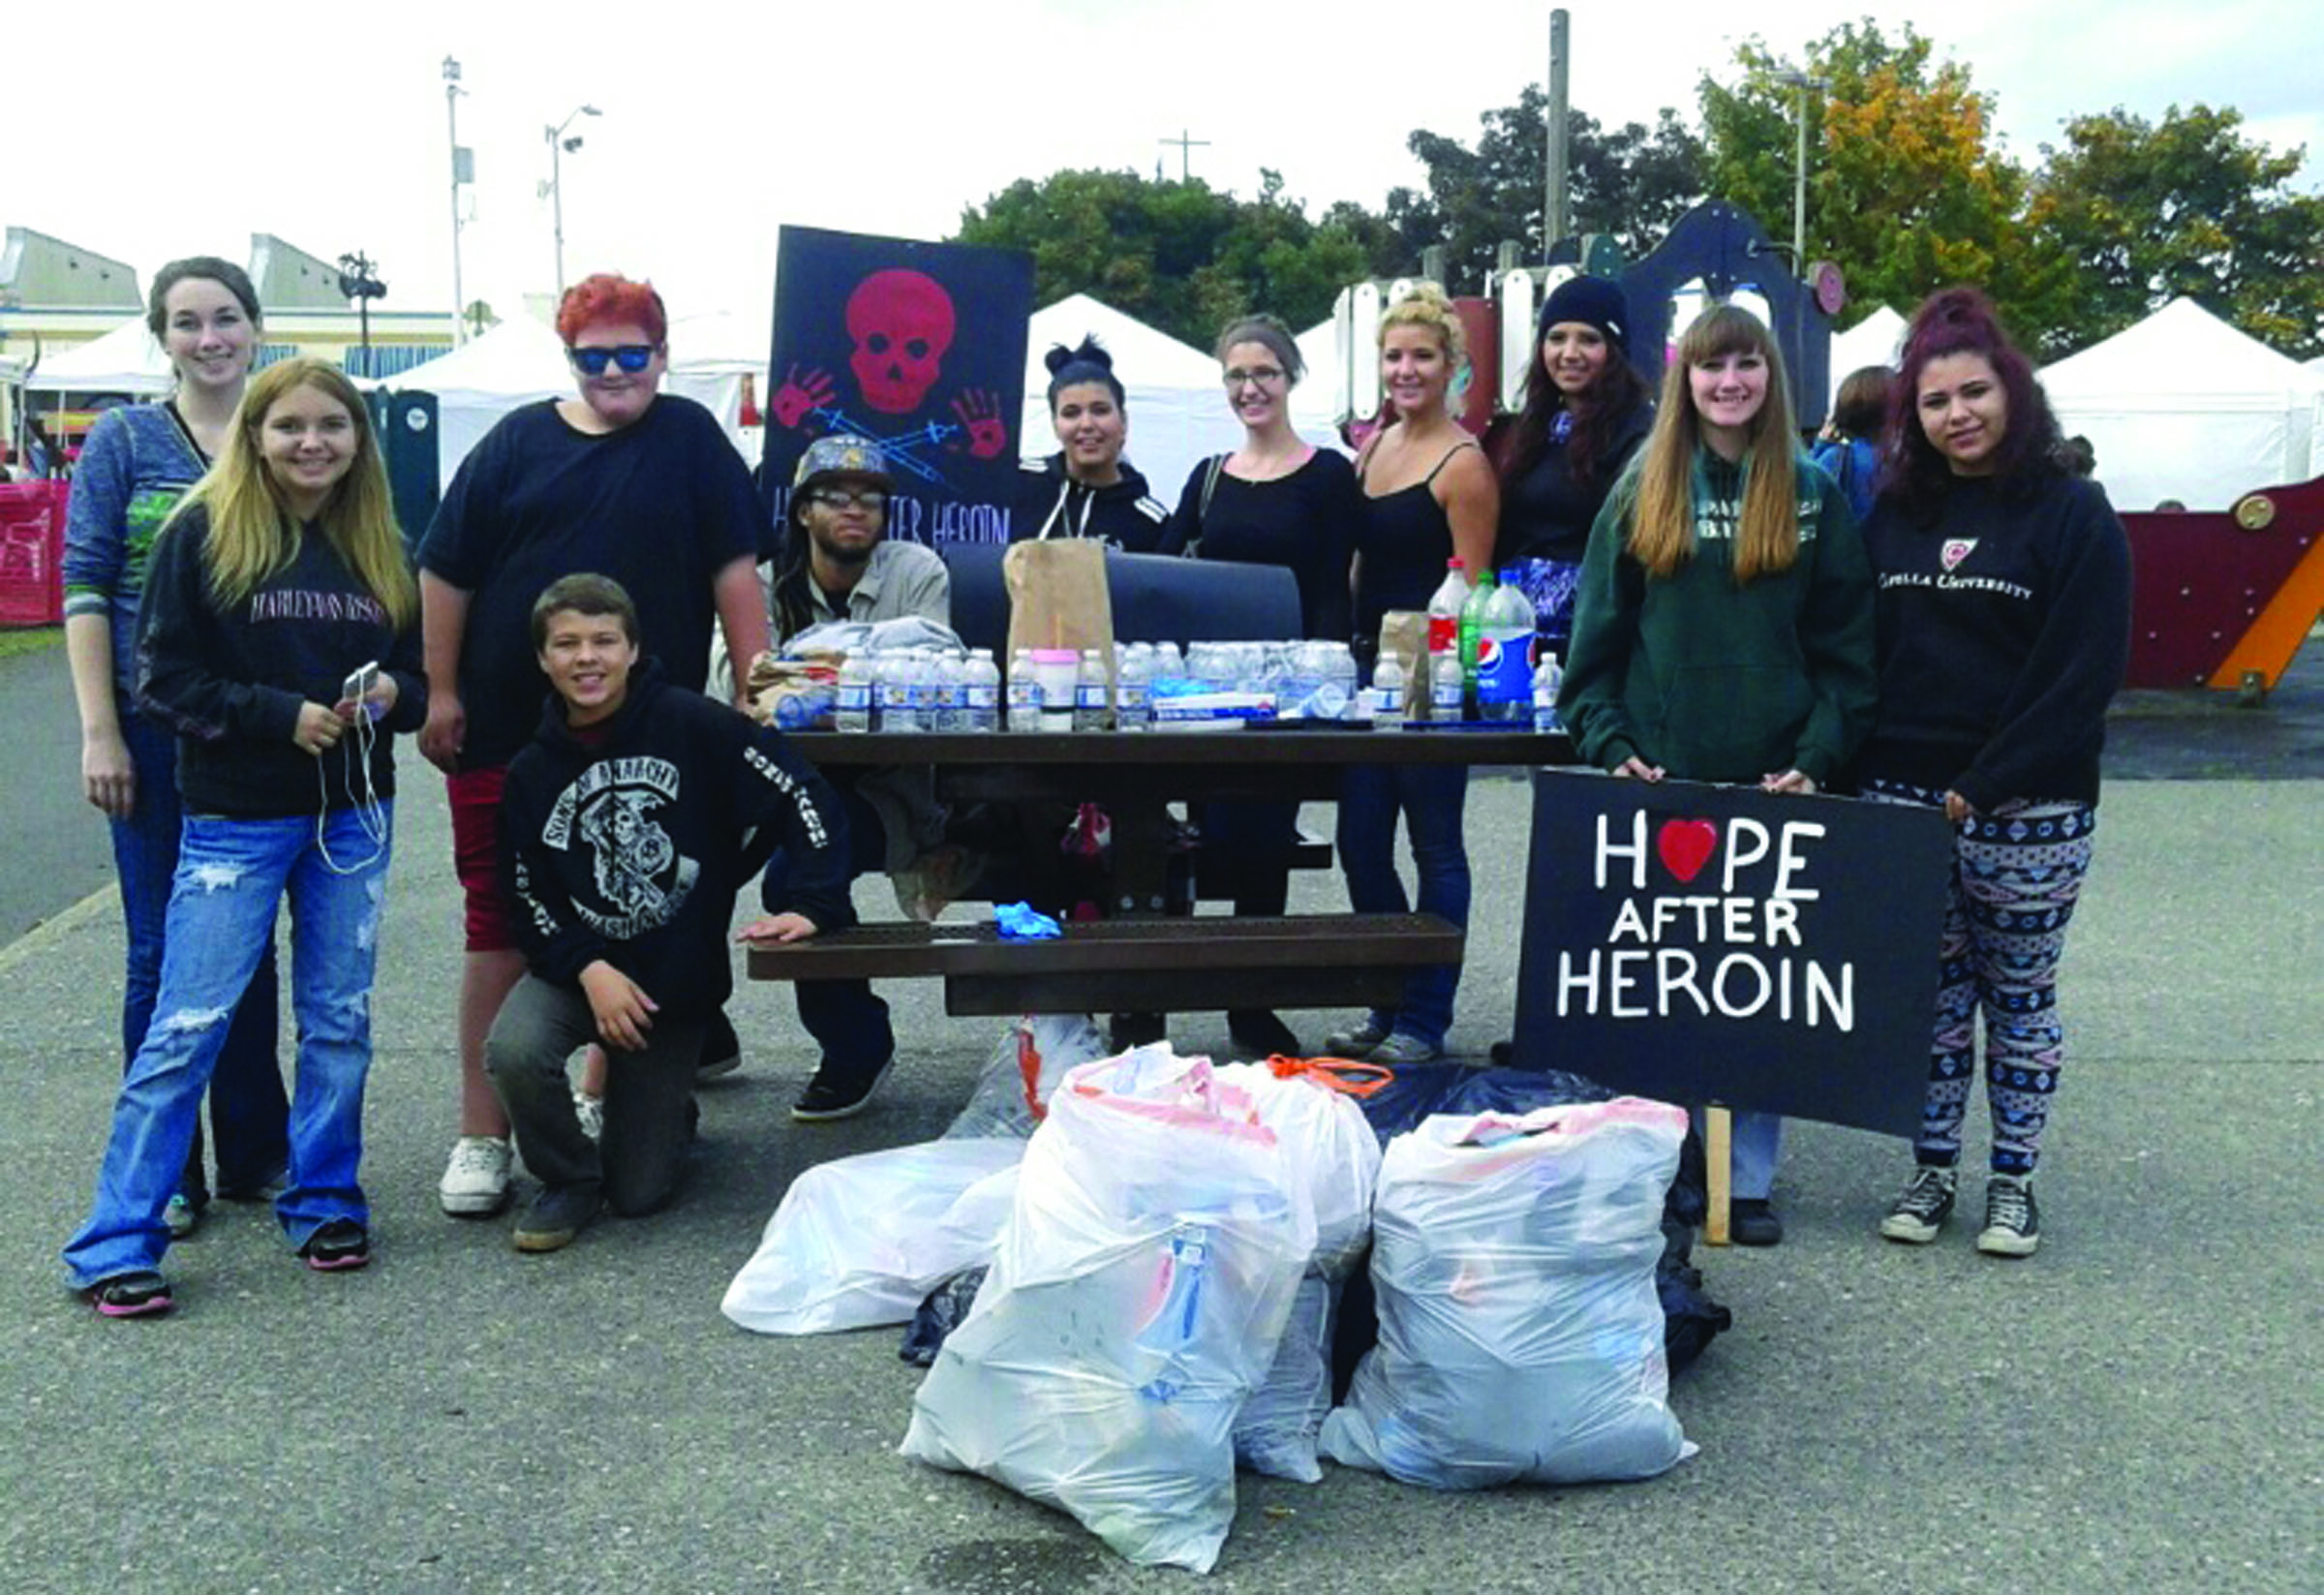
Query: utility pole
[[1555, 220], [464, 170], [1800, 83], [1186, 146]]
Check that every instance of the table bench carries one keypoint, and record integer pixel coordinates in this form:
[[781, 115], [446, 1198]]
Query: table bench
[[1122, 965]]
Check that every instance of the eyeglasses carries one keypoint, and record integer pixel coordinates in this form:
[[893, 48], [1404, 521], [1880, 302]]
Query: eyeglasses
[[1266, 376], [630, 357], [843, 497]]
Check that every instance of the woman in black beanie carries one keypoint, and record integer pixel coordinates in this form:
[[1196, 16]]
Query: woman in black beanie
[[1586, 411]]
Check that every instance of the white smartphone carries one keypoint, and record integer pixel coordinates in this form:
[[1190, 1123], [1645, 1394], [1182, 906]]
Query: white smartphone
[[356, 688]]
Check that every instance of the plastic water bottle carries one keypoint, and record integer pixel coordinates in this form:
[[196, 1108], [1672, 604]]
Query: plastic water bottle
[[1443, 636], [1547, 677], [946, 690], [1388, 692], [1445, 686], [852, 710], [897, 710], [1168, 665], [1504, 654], [1134, 693], [1336, 687], [980, 692], [1023, 694], [1089, 692], [1164, 1339]]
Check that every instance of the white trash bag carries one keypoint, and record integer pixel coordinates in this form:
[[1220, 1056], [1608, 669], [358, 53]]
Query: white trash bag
[[1034, 1054], [1520, 1337], [1134, 1302], [1329, 1145], [860, 1240]]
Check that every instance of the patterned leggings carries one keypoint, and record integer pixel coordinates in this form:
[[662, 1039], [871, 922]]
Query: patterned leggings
[[2016, 875]]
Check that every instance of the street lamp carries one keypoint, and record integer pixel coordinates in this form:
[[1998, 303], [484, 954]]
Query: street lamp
[[464, 170], [1800, 82], [559, 145]]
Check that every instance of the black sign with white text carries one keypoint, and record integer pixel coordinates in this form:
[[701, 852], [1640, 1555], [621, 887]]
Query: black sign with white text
[[1722, 944]]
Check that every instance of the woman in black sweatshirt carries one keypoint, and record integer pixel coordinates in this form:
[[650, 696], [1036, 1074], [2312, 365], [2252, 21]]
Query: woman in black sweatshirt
[[2004, 629], [280, 641], [1086, 488]]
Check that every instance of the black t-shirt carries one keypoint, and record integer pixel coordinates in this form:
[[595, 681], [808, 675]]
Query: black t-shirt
[[1304, 521], [661, 505]]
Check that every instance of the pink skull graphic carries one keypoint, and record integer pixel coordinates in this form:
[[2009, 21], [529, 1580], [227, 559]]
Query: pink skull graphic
[[901, 322]]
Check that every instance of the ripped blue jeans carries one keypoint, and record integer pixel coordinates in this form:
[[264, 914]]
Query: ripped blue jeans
[[231, 874]]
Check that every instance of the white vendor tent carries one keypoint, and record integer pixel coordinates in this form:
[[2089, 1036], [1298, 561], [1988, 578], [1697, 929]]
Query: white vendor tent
[[124, 360], [520, 360], [2184, 406], [1876, 340]]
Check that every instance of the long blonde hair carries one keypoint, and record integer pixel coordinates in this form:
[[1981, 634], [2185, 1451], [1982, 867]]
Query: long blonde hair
[[1662, 522], [252, 534]]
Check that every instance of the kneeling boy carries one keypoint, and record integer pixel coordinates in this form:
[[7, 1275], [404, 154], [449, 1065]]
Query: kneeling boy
[[627, 827]]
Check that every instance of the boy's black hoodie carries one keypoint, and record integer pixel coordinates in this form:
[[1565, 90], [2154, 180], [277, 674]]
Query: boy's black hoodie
[[1050, 504], [626, 842]]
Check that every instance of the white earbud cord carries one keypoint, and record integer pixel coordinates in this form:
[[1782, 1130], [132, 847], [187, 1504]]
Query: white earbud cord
[[368, 814]]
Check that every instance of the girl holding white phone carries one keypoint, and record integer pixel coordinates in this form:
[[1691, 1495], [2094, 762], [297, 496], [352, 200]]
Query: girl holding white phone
[[281, 575]]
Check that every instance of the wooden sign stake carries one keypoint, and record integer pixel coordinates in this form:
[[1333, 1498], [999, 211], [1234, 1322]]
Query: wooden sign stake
[[1718, 1138]]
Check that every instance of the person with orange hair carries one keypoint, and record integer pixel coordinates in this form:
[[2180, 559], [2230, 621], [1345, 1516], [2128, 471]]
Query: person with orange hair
[[619, 478]]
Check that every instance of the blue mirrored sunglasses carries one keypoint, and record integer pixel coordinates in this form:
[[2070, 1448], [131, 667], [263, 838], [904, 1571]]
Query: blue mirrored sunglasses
[[630, 357]]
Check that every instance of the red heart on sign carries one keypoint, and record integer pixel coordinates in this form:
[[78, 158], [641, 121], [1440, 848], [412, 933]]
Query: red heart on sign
[[1686, 845]]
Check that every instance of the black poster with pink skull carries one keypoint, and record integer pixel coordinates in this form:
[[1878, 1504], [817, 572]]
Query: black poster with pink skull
[[1723, 944], [918, 346]]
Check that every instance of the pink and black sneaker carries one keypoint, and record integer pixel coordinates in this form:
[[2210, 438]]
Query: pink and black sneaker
[[341, 1244]]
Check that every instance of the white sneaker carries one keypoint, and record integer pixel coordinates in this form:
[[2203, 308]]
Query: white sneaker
[[591, 1111], [475, 1182]]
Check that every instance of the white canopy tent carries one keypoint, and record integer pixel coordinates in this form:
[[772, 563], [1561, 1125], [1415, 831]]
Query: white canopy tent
[[124, 360], [1876, 340], [521, 361], [2184, 406]]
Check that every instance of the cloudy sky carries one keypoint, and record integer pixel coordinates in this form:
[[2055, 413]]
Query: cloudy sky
[[178, 128]]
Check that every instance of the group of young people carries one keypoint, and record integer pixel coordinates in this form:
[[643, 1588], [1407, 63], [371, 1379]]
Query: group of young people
[[247, 636], [1934, 610]]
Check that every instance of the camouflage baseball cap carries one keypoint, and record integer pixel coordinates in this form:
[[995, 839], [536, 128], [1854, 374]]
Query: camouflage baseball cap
[[842, 455]]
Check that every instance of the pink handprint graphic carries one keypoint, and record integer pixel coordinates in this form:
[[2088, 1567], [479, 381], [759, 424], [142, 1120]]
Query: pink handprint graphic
[[979, 411], [801, 393]]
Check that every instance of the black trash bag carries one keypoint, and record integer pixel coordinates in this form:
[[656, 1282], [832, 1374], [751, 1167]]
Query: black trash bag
[[1690, 1318], [939, 1316], [1412, 1091]]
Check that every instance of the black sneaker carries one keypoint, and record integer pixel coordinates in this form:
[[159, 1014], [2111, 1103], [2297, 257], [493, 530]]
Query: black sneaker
[[1260, 1033], [1751, 1221], [2012, 1223], [340, 1244], [721, 1049], [834, 1096], [1920, 1211], [142, 1293], [557, 1216]]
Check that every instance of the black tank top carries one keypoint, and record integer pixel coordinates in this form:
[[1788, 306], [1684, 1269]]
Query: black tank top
[[1405, 539]]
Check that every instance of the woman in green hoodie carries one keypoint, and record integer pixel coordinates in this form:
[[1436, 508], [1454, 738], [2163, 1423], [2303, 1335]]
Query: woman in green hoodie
[[1723, 629]]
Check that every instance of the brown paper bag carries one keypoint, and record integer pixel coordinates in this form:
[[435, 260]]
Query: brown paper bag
[[1059, 599], [1406, 630]]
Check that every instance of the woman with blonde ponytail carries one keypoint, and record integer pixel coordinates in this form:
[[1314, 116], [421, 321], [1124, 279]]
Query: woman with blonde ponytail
[[280, 641], [1723, 629]]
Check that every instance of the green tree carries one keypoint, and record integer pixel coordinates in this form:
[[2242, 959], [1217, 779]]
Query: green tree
[[1906, 191], [1631, 182], [1180, 256], [2149, 211]]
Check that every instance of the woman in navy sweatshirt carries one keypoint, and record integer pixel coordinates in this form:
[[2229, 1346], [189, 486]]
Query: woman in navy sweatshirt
[[2004, 629], [280, 641]]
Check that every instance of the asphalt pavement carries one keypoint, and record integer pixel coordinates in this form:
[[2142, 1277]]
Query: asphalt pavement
[[2137, 1408]]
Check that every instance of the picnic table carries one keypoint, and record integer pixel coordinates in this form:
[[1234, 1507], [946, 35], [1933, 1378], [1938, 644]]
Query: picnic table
[[1142, 957]]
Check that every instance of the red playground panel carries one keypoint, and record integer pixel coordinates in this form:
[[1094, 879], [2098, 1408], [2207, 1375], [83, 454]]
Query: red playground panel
[[2224, 599]]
